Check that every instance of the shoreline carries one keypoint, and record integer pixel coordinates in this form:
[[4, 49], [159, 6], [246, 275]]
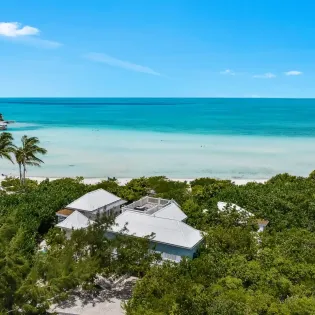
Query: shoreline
[[123, 181]]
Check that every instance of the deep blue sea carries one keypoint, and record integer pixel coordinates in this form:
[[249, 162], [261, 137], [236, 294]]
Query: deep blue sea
[[176, 137]]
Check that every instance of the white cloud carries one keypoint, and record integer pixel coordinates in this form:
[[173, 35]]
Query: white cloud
[[267, 75], [228, 72], [111, 61], [293, 72], [14, 32], [14, 29]]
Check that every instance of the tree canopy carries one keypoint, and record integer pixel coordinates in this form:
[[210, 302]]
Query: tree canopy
[[236, 270]]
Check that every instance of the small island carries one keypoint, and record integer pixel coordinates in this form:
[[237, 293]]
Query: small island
[[4, 123]]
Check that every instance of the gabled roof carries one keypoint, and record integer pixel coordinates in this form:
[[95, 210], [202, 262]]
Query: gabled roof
[[222, 206], [75, 221], [95, 200], [166, 231], [172, 211]]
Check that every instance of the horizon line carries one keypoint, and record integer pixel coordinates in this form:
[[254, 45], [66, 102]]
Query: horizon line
[[148, 97]]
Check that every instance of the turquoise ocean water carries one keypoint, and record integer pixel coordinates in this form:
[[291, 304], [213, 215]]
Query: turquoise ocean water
[[180, 138]]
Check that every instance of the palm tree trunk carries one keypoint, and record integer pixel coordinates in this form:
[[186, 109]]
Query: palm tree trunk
[[24, 173], [20, 170]]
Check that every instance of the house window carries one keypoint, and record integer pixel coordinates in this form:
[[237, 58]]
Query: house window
[[171, 257]]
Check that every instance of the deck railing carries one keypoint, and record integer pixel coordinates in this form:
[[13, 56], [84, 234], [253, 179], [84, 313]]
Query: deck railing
[[157, 204], [153, 210]]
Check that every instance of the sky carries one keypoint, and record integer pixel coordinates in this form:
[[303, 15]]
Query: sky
[[158, 48]]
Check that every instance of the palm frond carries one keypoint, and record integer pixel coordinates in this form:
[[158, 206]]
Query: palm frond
[[26, 155], [6, 155], [33, 158], [6, 146]]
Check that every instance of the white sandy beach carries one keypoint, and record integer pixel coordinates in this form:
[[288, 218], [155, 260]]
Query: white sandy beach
[[124, 181]]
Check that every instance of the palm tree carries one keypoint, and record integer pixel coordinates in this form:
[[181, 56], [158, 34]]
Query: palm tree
[[18, 154], [6, 146], [26, 155]]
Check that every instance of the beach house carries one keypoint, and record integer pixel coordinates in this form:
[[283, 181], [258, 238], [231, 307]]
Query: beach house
[[224, 206], [161, 218]]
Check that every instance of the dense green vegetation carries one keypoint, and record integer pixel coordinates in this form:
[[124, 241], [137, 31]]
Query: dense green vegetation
[[30, 280], [233, 274]]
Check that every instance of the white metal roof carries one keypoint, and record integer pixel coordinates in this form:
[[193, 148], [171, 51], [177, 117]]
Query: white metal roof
[[75, 220], [95, 200], [166, 231], [172, 211], [222, 206]]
